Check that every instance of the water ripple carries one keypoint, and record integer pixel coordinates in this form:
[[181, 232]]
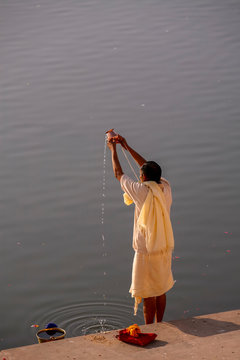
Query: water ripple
[[89, 317]]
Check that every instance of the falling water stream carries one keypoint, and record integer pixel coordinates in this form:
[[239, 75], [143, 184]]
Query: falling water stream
[[100, 322], [104, 254]]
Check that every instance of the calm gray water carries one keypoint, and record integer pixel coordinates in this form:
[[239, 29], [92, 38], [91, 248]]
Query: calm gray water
[[165, 74]]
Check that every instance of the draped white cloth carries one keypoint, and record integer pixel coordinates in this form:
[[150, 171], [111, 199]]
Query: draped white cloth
[[153, 239]]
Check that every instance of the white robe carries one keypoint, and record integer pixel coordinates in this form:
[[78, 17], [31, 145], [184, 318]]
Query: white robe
[[151, 274]]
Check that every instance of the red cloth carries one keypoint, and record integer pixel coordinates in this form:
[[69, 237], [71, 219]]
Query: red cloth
[[142, 339]]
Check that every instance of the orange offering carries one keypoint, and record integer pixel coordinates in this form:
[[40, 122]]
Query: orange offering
[[133, 335]]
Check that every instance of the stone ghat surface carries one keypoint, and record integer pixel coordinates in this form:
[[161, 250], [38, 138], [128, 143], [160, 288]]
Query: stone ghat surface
[[208, 337]]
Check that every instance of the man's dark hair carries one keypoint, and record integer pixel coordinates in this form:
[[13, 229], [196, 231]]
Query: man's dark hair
[[152, 171]]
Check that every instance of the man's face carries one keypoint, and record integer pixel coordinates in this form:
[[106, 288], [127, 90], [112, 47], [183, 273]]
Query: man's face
[[142, 176]]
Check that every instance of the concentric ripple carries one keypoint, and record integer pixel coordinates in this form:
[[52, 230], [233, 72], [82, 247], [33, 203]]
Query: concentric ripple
[[90, 317]]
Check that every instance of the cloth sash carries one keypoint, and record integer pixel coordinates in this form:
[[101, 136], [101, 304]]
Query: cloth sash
[[154, 220]]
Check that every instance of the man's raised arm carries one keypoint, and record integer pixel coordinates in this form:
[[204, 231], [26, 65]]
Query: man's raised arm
[[117, 169], [137, 157]]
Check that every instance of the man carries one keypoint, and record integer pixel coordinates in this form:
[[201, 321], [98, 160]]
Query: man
[[153, 240]]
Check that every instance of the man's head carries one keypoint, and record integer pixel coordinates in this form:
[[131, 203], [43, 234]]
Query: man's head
[[151, 171]]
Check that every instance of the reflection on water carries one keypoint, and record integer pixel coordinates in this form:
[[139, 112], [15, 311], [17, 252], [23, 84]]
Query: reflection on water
[[164, 75]]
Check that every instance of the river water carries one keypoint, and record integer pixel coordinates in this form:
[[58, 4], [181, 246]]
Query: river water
[[164, 74]]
